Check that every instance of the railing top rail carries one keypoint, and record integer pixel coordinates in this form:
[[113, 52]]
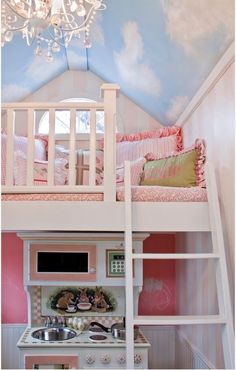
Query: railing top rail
[[55, 105]]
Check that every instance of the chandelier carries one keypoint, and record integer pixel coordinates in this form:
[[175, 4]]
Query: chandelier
[[49, 23]]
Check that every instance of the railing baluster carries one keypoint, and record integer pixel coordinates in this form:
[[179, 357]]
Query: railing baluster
[[10, 146], [92, 147], [72, 146], [51, 147], [30, 147]]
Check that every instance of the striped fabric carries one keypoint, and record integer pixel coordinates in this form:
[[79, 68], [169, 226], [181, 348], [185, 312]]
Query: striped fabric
[[131, 150], [20, 144], [136, 168], [40, 173]]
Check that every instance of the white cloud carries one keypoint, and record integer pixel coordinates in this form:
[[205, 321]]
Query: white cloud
[[41, 70], [74, 60], [133, 66], [14, 92], [177, 106], [189, 22]]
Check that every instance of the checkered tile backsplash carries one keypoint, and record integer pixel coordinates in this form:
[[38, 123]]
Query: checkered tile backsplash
[[35, 292]]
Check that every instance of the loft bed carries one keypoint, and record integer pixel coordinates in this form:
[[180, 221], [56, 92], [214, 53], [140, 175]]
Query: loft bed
[[108, 206], [96, 207]]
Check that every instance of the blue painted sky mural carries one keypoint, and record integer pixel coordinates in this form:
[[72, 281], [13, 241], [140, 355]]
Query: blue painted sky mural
[[158, 51]]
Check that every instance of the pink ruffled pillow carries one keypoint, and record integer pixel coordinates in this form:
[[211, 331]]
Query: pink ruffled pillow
[[132, 150], [198, 148], [40, 172], [160, 133], [136, 168]]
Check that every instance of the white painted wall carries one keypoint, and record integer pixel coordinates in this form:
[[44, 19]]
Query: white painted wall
[[214, 121], [85, 84]]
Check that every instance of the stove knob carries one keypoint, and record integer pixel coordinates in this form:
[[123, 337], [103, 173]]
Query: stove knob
[[105, 358], [121, 358], [137, 358], [90, 359]]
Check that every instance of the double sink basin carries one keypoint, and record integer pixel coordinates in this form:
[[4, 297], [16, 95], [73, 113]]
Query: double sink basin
[[54, 334]]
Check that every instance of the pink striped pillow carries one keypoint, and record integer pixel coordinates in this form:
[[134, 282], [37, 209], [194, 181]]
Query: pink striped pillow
[[20, 144], [136, 168], [40, 170], [132, 150], [162, 132]]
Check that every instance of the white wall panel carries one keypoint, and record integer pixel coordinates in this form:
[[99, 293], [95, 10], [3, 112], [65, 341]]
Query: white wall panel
[[162, 352], [9, 351], [213, 120], [80, 84]]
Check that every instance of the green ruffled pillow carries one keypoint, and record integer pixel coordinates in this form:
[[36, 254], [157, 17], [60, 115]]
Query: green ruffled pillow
[[177, 170]]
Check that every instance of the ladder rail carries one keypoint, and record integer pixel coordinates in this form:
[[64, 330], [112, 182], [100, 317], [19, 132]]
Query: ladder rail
[[222, 281], [225, 317], [129, 301]]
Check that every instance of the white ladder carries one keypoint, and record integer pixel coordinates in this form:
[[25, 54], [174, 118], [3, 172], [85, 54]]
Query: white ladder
[[224, 317]]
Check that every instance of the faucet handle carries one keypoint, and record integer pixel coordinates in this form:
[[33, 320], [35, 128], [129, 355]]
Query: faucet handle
[[63, 321], [55, 320], [48, 321]]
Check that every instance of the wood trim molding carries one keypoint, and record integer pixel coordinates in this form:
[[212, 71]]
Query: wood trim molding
[[215, 75]]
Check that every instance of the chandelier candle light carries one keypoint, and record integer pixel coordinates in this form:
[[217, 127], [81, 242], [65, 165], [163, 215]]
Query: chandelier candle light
[[51, 22]]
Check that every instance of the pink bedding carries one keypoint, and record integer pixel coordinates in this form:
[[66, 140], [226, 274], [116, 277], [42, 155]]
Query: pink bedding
[[139, 194]]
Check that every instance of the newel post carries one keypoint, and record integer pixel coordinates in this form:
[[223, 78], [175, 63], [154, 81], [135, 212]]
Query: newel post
[[110, 93]]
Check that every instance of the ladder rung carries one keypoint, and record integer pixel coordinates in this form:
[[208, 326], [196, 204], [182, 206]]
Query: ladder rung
[[175, 256], [179, 320]]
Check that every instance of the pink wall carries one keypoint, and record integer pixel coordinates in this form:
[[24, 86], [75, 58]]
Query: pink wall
[[158, 295], [157, 298], [14, 303]]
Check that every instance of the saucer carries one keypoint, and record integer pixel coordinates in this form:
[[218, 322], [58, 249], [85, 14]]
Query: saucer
[[72, 310]]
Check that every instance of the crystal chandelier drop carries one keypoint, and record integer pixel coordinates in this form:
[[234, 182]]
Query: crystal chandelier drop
[[51, 23]]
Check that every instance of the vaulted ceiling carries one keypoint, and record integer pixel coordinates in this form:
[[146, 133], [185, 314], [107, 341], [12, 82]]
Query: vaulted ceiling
[[158, 51]]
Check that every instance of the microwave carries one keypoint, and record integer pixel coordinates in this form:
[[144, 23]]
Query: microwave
[[79, 259], [62, 262]]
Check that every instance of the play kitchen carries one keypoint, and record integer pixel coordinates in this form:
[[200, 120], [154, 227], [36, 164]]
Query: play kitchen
[[75, 288]]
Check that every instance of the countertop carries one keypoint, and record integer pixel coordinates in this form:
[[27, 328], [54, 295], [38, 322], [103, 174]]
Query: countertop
[[80, 340]]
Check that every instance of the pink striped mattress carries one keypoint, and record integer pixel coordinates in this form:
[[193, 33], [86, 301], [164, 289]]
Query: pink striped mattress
[[139, 194]]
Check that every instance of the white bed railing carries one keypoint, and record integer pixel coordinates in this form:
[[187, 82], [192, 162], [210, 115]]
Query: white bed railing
[[109, 93]]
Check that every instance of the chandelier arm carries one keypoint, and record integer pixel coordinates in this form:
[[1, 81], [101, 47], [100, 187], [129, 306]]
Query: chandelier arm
[[56, 40], [15, 12], [82, 26], [30, 43], [18, 28]]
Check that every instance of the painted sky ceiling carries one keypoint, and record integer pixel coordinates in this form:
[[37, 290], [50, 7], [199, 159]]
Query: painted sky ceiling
[[158, 51]]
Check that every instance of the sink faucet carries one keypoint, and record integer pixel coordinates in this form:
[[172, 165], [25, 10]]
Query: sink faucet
[[55, 322]]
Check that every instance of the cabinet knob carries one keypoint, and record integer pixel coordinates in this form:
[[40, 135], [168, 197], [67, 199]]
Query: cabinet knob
[[137, 358], [90, 359], [105, 358]]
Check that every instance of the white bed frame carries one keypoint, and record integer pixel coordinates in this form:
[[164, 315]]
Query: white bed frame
[[110, 215]]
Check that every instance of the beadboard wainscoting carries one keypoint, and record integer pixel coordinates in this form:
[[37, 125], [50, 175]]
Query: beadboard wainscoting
[[161, 354], [187, 355], [10, 354]]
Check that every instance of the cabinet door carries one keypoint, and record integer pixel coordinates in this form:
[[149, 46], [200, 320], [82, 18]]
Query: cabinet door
[[51, 362], [62, 262]]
